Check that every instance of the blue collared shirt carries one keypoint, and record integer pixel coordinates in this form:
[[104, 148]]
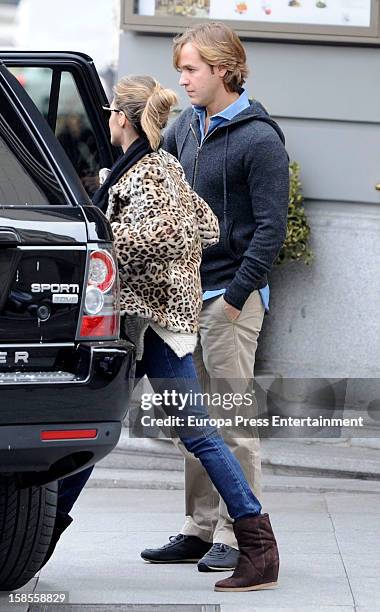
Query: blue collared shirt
[[216, 120], [223, 116]]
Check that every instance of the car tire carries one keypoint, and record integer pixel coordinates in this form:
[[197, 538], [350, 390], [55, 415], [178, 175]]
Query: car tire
[[27, 519]]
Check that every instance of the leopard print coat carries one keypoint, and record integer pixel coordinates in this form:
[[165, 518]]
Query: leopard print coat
[[160, 226]]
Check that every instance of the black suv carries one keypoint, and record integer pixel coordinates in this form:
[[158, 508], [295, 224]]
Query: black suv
[[64, 373]]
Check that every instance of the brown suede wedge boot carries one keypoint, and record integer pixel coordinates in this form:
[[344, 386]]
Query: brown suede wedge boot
[[258, 563]]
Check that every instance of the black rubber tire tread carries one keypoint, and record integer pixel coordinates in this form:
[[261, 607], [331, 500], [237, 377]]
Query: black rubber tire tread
[[27, 519]]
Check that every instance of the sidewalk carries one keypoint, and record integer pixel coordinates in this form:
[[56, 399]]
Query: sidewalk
[[329, 547]]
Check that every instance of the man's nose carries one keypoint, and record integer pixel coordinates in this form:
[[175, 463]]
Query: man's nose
[[183, 80]]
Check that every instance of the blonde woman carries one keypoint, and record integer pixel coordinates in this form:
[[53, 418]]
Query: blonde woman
[[160, 226]]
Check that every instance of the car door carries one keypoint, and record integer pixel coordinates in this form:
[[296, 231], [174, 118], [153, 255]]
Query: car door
[[67, 91], [43, 228]]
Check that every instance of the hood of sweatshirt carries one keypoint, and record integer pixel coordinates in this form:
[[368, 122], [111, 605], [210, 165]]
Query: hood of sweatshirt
[[255, 112]]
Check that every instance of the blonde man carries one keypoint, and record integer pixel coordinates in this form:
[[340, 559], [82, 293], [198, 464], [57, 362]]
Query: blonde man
[[233, 156]]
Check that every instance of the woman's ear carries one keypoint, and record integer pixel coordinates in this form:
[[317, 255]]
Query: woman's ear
[[122, 120]]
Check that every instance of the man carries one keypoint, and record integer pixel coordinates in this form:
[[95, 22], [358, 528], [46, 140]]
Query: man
[[233, 155]]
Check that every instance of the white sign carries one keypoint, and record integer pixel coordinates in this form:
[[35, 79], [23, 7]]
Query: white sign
[[312, 12]]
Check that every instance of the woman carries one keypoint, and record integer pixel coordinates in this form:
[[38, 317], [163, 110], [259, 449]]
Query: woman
[[160, 226]]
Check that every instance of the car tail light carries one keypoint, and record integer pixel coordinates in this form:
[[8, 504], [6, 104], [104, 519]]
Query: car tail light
[[102, 272], [68, 434], [100, 326], [100, 315]]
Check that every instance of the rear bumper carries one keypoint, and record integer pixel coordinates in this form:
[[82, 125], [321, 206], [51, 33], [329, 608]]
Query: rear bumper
[[22, 450], [100, 391], [97, 399]]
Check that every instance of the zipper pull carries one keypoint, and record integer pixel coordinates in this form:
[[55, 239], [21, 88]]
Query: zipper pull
[[195, 136]]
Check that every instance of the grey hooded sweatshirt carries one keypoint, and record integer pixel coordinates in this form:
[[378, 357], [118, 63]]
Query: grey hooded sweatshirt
[[241, 170]]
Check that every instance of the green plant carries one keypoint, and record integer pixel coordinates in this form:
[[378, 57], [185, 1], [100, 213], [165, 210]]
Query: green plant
[[296, 245]]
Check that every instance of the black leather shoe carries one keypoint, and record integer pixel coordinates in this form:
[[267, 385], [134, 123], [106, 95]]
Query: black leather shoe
[[181, 549], [220, 558]]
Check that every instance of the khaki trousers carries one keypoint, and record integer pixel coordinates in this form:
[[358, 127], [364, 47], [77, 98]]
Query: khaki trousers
[[225, 350]]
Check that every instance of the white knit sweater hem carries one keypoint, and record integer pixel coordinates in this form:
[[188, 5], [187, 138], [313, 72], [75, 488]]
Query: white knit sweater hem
[[182, 343]]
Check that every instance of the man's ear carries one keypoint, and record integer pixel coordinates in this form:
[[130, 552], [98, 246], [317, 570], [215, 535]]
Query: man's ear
[[222, 71]]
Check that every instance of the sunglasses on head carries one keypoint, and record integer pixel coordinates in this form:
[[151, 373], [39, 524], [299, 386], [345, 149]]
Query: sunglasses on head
[[112, 110]]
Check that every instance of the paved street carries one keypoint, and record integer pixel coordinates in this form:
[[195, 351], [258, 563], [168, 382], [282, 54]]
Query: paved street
[[329, 546]]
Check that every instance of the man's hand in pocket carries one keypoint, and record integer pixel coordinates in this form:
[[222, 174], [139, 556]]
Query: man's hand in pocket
[[231, 312]]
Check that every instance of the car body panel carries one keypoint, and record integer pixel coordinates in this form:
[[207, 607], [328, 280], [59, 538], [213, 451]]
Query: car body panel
[[47, 377]]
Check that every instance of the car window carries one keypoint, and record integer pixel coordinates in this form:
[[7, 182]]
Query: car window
[[26, 178], [75, 133], [72, 125], [70, 97], [36, 81]]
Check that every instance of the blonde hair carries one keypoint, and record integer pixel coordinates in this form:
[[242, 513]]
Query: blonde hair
[[146, 105], [217, 45]]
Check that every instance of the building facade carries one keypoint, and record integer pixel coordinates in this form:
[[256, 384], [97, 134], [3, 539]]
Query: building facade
[[323, 319]]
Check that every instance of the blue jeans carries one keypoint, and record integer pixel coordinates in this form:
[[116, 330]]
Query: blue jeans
[[69, 489], [162, 366], [168, 372]]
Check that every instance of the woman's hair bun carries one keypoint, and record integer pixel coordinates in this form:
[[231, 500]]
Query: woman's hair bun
[[146, 104]]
